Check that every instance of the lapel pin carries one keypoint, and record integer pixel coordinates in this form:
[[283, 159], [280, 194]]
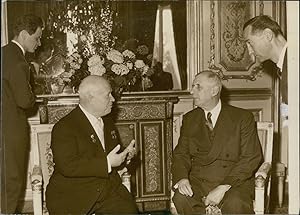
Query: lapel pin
[[113, 134], [93, 138]]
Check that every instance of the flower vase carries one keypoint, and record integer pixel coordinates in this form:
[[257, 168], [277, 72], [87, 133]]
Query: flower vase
[[68, 90], [57, 88]]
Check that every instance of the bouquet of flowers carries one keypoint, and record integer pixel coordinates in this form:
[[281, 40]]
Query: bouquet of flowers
[[126, 66]]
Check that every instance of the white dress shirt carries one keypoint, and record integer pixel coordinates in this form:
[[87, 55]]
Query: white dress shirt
[[98, 126], [281, 57], [215, 112]]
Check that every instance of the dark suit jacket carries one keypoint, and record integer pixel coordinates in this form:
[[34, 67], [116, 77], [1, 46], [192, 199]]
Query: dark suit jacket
[[231, 158], [284, 81], [16, 95], [80, 174]]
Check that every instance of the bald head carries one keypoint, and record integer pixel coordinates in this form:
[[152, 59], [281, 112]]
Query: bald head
[[95, 95], [91, 84]]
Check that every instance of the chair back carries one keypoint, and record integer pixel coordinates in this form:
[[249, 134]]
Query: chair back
[[41, 152], [265, 134]]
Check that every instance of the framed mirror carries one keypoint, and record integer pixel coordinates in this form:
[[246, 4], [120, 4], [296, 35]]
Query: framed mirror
[[138, 45]]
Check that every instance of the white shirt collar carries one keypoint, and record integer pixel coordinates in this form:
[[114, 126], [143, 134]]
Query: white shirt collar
[[97, 124], [91, 118], [18, 44], [281, 57], [215, 112]]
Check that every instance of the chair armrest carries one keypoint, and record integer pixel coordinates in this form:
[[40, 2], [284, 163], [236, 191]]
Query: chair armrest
[[36, 178], [262, 174]]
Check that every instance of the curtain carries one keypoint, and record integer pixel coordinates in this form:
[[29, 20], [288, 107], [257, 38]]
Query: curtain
[[4, 34], [164, 50], [180, 32]]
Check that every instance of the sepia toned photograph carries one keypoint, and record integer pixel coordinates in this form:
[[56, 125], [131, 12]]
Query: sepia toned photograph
[[149, 107]]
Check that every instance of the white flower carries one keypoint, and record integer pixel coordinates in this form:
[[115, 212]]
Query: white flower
[[129, 65], [83, 38], [95, 60], [139, 64], [115, 56], [128, 53], [97, 70], [72, 71], [66, 75], [75, 65], [145, 69], [119, 69]]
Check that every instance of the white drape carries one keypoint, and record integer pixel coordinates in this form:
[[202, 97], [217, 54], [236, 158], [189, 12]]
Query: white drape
[[164, 44], [4, 34]]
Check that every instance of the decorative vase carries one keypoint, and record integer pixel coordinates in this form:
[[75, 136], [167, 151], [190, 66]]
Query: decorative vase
[[57, 88], [68, 90]]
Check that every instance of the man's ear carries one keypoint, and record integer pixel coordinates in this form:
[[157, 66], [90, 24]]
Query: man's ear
[[215, 90], [269, 34], [23, 34]]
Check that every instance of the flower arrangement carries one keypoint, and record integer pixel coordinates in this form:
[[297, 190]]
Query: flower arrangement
[[126, 65]]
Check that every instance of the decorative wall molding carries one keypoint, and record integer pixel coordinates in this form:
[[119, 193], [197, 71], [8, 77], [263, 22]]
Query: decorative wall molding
[[232, 50]]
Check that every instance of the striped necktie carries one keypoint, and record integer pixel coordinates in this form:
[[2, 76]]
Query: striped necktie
[[209, 122], [210, 126]]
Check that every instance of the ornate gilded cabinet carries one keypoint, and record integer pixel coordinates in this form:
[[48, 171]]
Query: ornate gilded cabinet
[[149, 120]]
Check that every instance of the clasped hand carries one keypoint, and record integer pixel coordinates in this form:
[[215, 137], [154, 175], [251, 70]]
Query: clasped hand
[[216, 195], [213, 198], [116, 159]]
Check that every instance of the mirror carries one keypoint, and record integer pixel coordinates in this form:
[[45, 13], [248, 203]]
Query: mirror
[[138, 45]]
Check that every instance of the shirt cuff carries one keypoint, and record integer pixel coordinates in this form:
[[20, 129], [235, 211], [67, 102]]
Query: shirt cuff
[[108, 165], [175, 186]]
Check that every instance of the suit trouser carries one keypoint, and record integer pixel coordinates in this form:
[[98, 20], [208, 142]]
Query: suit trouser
[[14, 160], [117, 200], [237, 200]]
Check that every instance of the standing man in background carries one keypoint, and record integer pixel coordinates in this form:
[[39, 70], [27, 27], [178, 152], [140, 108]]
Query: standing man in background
[[17, 96], [265, 41]]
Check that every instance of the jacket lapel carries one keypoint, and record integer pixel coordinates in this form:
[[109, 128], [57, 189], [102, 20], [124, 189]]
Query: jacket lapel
[[200, 123], [222, 130], [87, 128]]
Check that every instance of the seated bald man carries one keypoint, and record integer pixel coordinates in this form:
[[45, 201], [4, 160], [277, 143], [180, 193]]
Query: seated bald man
[[217, 154], [85, 154]]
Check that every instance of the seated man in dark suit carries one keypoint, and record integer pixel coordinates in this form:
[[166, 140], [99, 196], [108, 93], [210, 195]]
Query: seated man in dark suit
[[85, 152], [217, 154]]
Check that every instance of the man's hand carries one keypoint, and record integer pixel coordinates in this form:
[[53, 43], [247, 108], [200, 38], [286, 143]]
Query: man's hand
[[216, 195], [116, 159], [184, 187], [130, 151]]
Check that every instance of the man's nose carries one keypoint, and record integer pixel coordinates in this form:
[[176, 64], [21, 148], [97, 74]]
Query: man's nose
[[250, 49], [112, 98], [192, 91], [251, 52]]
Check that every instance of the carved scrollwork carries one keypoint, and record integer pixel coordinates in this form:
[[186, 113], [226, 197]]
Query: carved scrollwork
[[259, 181], [49, 159], [36, 185], [137, 111], [152, 158], [234, 49], [57, 112]]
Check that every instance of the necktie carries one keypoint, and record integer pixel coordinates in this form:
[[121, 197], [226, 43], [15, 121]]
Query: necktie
[[209, 122], [100, 132], [210, 126]]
